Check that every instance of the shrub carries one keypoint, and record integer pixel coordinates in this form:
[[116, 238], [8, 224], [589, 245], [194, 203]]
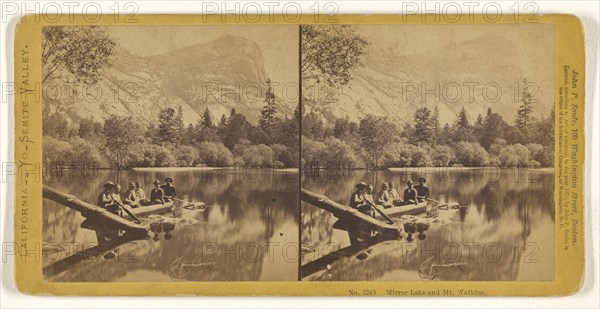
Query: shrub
[[151, 155], [258, 156], [441, 155], [541, 154], [283, 154], [54, 150], [497, 145], [186, 155], [471, 154], [311, 152], [337, 154], [84, 154], [215, 154], [401, 154], [515, 155]]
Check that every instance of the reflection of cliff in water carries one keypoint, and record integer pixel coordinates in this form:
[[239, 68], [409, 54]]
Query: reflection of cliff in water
[[501, 212], [242, 218]]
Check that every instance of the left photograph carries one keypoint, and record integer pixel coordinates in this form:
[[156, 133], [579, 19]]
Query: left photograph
[[170, 153]]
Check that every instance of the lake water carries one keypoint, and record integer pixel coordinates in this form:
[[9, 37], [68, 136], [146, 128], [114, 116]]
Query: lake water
[[249, 232], [505, 232]]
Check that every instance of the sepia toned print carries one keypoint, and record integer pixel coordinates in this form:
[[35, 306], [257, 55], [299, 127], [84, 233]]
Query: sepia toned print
[[389, 155], [170, 153], [428, 152]]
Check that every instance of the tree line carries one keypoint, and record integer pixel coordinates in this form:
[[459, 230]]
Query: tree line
[[376, 142], [121, 142]]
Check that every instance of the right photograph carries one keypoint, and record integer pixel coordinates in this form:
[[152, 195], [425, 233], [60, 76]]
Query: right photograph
[[427, 152]]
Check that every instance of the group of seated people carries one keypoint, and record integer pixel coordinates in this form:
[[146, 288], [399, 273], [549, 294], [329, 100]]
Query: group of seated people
[[110, 198], [362, 198]]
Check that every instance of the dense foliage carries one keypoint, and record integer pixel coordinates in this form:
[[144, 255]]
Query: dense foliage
[[120, 142], [376, 142], [79, 51]]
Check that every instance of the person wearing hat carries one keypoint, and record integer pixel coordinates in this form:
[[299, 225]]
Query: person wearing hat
[[141, 194], [369, 195], [370, 201], [422, 190], [359, 201], [168, 189], [383, 197], [131, 197], [357, 198], [410, 194], [117, 194], [106, 198], [157, 195]]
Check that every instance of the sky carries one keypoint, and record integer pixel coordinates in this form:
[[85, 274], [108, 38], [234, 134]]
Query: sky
[[279, 43]]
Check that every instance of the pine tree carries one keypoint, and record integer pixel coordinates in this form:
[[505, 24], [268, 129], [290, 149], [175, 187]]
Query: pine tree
[[462, 120], [189, 137], [237, 128], [179, 125], [524, 114], [223, 121], [435, 123], [492, 127], [462, 129], [479, 120], [267, 114], [297, 114], [435, 119], [206, 121]]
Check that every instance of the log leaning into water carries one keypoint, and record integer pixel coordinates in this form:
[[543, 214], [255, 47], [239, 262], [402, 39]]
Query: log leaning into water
[[92, 211], [349, 214]]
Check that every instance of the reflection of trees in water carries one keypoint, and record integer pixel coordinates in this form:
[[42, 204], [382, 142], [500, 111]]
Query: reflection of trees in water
[[246, 213], [316, 227], [195, 245], [399, 261], [61, 224], [500, 208]]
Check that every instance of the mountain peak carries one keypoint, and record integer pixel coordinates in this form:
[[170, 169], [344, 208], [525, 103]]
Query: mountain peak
[[179, 78]]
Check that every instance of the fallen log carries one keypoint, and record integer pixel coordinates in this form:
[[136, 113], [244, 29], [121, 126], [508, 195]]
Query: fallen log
[[93, 212], [352, 216]]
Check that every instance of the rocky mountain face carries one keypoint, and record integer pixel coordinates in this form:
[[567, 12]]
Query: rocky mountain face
[[219, 75], [446, 76]]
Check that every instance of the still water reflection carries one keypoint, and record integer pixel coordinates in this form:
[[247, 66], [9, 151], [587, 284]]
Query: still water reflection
[[505, 233], [249, 232]]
